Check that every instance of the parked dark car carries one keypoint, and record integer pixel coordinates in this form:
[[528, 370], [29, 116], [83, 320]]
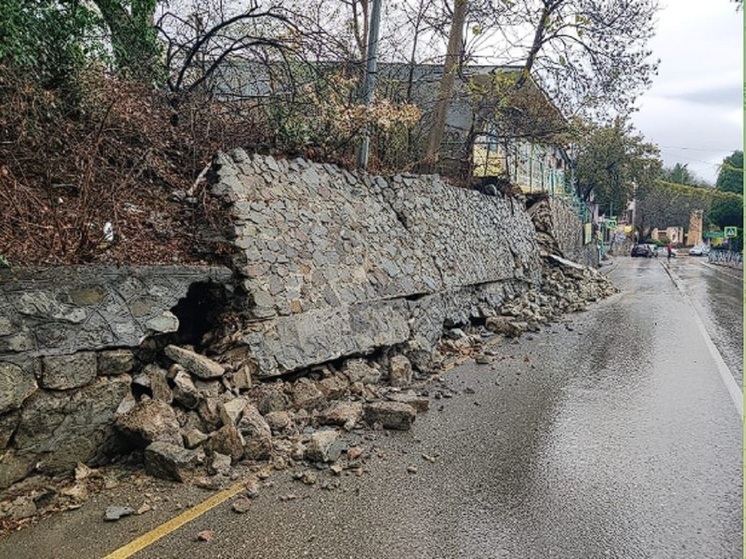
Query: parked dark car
[[642, 250]]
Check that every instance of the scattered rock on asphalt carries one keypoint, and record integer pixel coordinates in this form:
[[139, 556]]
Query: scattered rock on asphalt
[[241, 505], [114, 513], [391, 415]]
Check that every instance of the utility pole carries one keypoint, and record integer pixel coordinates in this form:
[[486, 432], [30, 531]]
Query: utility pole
[[370, 79]]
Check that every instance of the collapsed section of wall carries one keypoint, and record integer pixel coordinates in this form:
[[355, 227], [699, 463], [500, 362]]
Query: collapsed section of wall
[[68, 338], [334, 263]]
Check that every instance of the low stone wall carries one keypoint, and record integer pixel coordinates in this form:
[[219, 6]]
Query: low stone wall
[[68, 341], [335, 263]]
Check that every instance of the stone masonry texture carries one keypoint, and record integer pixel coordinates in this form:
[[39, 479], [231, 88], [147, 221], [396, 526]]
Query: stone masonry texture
[[335, 263]]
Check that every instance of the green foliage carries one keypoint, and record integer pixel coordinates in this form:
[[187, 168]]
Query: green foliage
[[611, 159], [727, 211], [730, 176], [680, 174], [50, 40], [134, 39]]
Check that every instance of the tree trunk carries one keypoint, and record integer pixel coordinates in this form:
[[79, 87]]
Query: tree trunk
[[453, 55], [133, 37]]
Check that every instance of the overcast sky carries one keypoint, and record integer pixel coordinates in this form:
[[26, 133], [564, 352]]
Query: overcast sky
[[693, 111]]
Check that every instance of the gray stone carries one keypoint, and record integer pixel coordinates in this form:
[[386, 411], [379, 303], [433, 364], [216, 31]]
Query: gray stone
[[419, 403], [150, 421], [502, 325], [115, 362], [63, 372], [228, 440], [16, 384], [278, 421], [391, 415], [184, 390], [241, 379], [22, 507], [230, 411], [334, 386], [220, 464], [115, 512], [345, 414], [358, 370], [193, 437], [256, 433], [68, 427], [158, 383], [209, 411], [269, 398], [8, 424], [164, 323], [400, 371], [14, 467], [199, 365], [241, 505], [324, 446], [306, 394], [164, 460]]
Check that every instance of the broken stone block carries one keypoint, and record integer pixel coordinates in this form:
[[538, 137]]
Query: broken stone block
[[114, 513], [150, 421], [164, 323], [391, 415], [324, 446], [278, 421], [358, 370], [193, 438], [220, 464], [256, 433], [228, 440], [502, 325], [169, 461], [209, 412], [306, 395], [199, 365], [334, 386], [400, 371], [230, 411], [342, 413], [115, 362], [269, 398], [241, 379], [419, 403], [158, 383], [184, 391]]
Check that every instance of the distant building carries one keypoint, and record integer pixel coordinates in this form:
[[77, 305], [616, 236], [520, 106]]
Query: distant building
[[673, 234]]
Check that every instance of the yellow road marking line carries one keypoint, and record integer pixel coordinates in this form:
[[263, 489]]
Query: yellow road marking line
[[175, 523]]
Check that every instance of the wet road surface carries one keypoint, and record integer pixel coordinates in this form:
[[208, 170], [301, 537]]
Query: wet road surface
[[609, 434]]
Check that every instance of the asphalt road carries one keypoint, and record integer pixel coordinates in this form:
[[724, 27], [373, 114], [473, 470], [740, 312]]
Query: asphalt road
[[610, 434]]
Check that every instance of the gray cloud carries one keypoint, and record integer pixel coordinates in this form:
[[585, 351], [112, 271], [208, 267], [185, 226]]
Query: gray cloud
[[722, 96]]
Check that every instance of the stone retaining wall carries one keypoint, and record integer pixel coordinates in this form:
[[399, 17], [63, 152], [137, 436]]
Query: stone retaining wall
[[327, 264], [335, 263]]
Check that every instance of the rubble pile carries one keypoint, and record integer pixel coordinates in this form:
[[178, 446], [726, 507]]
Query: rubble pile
[[192, 419]]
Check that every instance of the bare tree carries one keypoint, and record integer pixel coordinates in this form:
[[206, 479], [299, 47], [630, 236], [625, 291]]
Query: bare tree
[[450, 67]]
